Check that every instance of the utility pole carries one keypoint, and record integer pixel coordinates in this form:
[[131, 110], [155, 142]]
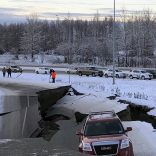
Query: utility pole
[[69, 44], [114, 46]]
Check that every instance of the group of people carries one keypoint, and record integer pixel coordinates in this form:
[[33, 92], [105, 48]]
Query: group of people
[[52, 75], [8, 70]]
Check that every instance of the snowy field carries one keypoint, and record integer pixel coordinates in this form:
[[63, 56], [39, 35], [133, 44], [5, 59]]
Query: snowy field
[[141, 92], [96, 89]]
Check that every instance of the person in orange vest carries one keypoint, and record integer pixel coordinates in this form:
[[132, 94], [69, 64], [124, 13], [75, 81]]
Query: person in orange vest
[[53, 75]]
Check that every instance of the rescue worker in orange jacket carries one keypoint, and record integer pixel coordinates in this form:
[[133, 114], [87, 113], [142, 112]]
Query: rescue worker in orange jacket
[[53, 75]]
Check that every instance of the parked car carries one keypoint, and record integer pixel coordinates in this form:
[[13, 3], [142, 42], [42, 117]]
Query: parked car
[[118, 73], [140, 74], [72, 71], [104, 134], [16, 69], [93, 71], [153, 72], [42, 70]]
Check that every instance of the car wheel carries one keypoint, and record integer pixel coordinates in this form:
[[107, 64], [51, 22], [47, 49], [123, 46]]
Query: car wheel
[[80, 73], [131, 77], [106, 75], [37, 72], [117, 76], [45, 72], [100, 75], [68, 72], [143, 77], [93, 74]]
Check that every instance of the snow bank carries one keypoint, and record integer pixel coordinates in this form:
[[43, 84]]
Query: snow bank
[[140, 92], [143, 138], [89, 103]]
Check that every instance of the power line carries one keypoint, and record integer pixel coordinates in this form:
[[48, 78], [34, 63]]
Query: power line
[[119, 3]]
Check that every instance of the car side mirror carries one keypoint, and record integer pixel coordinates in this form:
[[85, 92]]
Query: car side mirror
[[79, 133], [128, 129]]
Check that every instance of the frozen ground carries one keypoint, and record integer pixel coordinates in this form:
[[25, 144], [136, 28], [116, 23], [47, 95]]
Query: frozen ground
[[96, 89], [143, 138], [141, 92]]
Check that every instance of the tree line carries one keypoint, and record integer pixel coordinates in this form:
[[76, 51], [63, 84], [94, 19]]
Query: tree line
[[86, 41]]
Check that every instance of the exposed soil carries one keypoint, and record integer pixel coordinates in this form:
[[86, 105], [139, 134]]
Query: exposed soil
[[137, 113]]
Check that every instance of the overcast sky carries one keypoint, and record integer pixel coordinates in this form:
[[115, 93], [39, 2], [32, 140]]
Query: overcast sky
[[17, 10]]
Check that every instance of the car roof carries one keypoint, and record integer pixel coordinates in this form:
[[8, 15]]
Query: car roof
[[138, 70], [14, 66], [94, 116], [43, 67]]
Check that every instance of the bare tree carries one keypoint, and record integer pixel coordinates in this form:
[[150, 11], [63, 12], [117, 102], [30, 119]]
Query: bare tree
[[31, 39]]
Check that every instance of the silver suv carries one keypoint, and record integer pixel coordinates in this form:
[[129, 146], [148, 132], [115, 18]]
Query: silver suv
[[140, 74], [118, 73]]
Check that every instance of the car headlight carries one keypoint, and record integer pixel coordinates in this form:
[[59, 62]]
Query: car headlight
[[86, 147], [124, 143]]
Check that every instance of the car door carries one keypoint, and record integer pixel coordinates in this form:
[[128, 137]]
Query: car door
[[41, 70], [136, 74], [91, 71], [110, 72], [87, 71], [46, 70], [12, 68]]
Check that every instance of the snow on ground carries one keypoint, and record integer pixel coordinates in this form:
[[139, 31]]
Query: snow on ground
[[152, 112], [3, 141], [90, 103], [143, 138], [30, 80], [96, 90], [141, 92]]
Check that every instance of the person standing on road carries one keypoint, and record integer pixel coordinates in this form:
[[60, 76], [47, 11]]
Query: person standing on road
[[50, 77], [4, 71], [9, 72], [53, 75]]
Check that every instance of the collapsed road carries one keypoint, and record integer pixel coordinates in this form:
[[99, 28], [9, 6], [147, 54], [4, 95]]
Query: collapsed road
[[21, 120], [27, 129]]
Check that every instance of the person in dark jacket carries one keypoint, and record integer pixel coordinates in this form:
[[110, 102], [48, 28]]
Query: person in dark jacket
[[50, 77], [9, 72], [53, 75], [4, 71], [50, 71]]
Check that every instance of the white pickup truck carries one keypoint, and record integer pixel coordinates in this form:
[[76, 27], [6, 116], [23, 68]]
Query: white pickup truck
[[140, 74], [42, 70]]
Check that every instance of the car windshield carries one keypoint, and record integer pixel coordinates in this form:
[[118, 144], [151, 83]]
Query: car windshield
[[143, 71], [14, 66], [103, 128], [93, 68], [135, 71]]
